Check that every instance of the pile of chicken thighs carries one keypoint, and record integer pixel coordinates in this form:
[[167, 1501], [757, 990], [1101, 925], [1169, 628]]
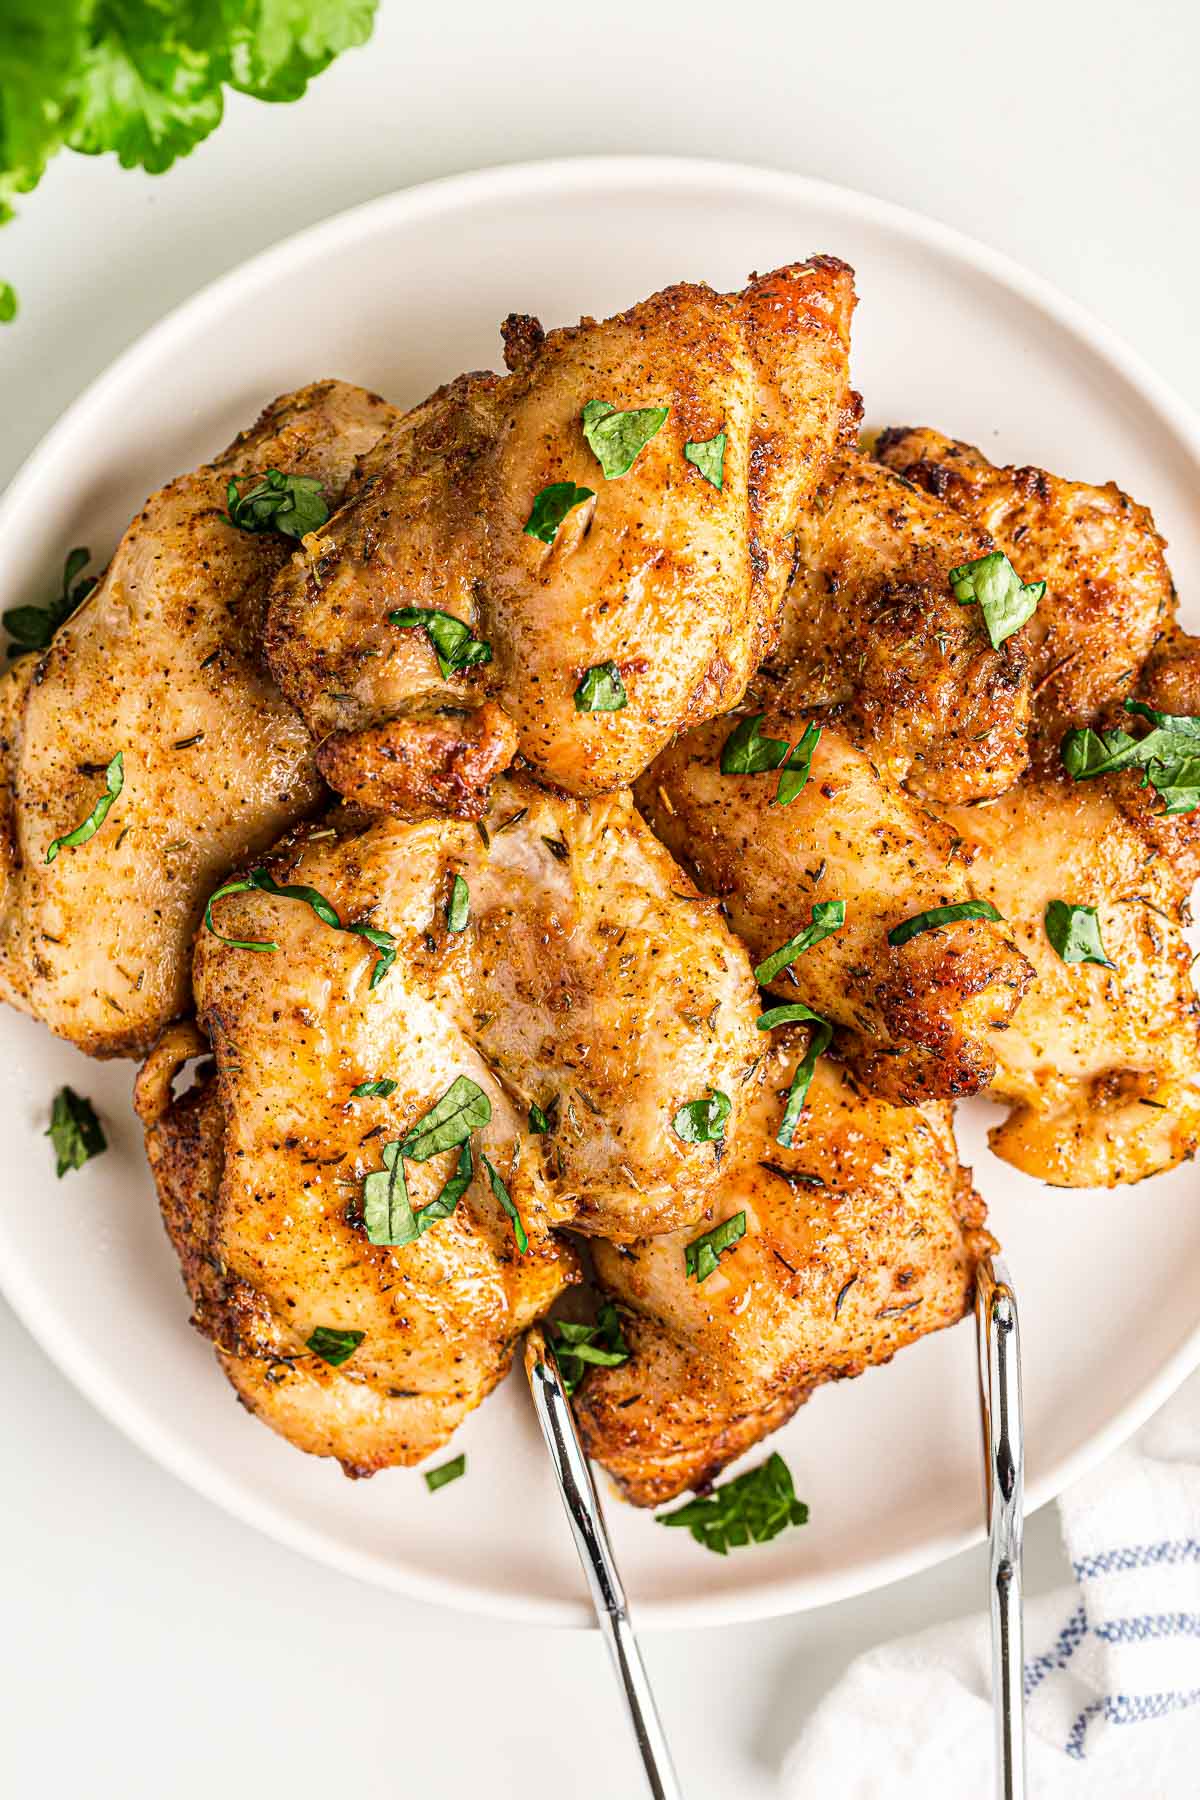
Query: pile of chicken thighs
[[541, 882]]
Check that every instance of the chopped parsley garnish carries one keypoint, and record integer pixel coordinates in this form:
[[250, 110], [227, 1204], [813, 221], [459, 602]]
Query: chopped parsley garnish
[[453, 642], [334, 1347], [1169, 755], [258, 880], [750, 1509], [617, 439], [1005, 601], [506, 1200], [539, 1122], [601, 690], [445, 1472], [458, 907], [293, 504], [941, 915], [551, 506], [32, 627], [114, 781], [701, 1256], [462, 1109], [828, 916], [709, 458], [74, 1131], [1074, 932], [384, 1088], [703, 1121], [601, 1345]]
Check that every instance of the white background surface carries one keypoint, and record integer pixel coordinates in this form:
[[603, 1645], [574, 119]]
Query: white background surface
[[152, 1645]]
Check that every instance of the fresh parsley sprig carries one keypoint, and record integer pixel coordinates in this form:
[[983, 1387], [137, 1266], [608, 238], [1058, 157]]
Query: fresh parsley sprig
[[1005, 601], [750, 1509], [259, 880], [33, 627], [114, 781]]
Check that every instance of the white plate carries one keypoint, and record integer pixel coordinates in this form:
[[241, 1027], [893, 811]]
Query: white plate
[[399, 295]]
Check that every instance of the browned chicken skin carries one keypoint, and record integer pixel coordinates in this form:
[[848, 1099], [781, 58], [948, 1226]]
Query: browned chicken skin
[[673, 580]]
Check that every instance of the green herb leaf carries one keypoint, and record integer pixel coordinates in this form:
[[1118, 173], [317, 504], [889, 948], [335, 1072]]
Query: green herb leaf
[[1178, 782], [1003, 598], [1169, 754], [703, 1121], [8, 301], [1074, 932], [462, 1109], [700, 1257], [576, 1347], [828, 916], [745, 752], [74, 1131], [33, 627], [114, 781], [1087, 753], [551, 506], [258, 880], [601, 690], [709, 458], [617, 439], [538, 1120], [795, 772], [458, 908], [505, 1198], [750, 1509], [333, 1346], [451, 1193], [446, 1472], [818, 1044], [388, 1217], [795, 1012], [941, 915], [384, 1088], [453, 643], [292, 504]]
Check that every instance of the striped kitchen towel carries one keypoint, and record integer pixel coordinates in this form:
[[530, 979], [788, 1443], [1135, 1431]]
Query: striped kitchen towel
[[1112, 1670]]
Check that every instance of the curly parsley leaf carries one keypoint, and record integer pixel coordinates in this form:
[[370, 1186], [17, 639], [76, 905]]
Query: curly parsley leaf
[[701, 1256], [332, 1346], [933, 916], [1074, 932], [1005, 601], [709, 458], [601, 690], [114, 781], [446, 1472], [258, 880], [292, 504], [576, 1347], [33, 627], [828, 916], [750, 1509], [703, 1121], [551, 506], [453, 642], [617, 439], [74, 1131]]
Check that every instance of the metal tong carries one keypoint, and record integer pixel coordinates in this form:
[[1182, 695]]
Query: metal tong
[[999, 1339], [583, 1509]]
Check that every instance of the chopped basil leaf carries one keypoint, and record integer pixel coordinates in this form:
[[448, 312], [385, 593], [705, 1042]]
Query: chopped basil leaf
[[538, 1121], [462, 1109], [447, 1472], [745, 752], [700, 1257], [293, 504], [1074, 932], [617, 439], [941, 915], [1178, 783], [452, 1192], [259, 881], [505, 1198], [334, 1347], [32, 627], [703, 1121], [576, 1346], [601, 690], [1004, 599], [1169, 754], [828, 916], [709, 458], [385, 1087], [453, 642], [795, 1012], [114, 781], [750, 1509], [74, 1131], [818, 1043], [551, 506], [458, 909], [388, 1217], [795, 772]]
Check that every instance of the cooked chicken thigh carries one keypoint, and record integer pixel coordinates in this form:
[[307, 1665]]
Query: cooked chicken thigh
[[870, 626], [638, 603], [916, 1020], [160, 664], [579, 984], [859, 1239]]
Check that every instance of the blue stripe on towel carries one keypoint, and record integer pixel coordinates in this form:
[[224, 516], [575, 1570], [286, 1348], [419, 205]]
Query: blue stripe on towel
[[1149, 1625], [1127, 1709], [1137, 1556], [1067, 1643]]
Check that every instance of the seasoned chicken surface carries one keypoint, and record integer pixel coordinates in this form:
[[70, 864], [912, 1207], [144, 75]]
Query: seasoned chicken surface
[[859, 1239], [588, 981], [659, 584], [1102, 1066], [870, 626], [917, 1021], [161, 664], [1109, 595]]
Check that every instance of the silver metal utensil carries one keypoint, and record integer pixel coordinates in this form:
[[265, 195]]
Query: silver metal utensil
[[999, 1339], [583, 1509]]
